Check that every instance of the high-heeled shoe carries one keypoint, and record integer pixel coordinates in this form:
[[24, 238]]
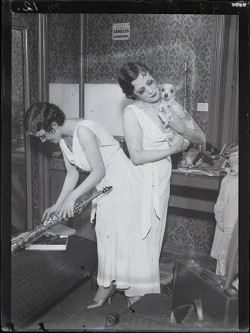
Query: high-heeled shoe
[[104, 299]]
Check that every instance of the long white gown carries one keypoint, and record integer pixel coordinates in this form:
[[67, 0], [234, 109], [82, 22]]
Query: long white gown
[[112, 210], [149, 190], [226, 215]]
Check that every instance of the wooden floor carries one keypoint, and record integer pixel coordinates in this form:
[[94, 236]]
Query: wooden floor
[[71, 312]]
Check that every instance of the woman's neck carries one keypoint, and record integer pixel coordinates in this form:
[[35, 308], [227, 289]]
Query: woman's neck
[[68, 127], [151, 106]]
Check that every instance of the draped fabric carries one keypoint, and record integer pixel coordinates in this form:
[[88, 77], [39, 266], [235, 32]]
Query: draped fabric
[[111, 209], [226, 215], [149, 191]]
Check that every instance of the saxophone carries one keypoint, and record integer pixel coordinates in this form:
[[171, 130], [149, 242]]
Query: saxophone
[[18, 243]]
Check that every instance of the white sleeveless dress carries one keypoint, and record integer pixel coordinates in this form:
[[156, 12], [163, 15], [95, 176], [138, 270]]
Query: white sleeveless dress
[[150, 190], [112, 210]]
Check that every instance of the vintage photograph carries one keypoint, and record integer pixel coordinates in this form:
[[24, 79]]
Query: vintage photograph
[[124, 170]]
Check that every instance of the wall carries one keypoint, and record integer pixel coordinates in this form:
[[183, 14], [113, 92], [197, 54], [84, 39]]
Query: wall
[[16, 77], [163, 42], [63, 49], [63, 44]]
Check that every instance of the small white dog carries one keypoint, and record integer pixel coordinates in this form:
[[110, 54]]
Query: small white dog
[[168, 91]]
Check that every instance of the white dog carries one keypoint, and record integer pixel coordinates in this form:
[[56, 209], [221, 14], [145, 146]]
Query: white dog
[[168, 91]]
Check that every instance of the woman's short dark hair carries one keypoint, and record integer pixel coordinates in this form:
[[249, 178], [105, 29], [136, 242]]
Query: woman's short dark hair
[[129, 73], [40, 115]]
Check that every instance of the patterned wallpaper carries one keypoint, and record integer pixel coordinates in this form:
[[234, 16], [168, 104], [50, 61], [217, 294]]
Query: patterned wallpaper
[[164, 42], [16, 78], [190, 230], [63, 44], [31, 21]]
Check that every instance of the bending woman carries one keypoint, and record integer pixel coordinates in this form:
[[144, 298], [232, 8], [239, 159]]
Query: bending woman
[[86, 145], [150, 169]]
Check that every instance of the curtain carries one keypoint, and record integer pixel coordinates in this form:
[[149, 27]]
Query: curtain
[[224, 91]]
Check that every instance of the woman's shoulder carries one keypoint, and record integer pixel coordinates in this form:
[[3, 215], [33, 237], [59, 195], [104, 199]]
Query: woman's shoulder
[[86, 123], [131, 108], [129, 111], [84, 126]]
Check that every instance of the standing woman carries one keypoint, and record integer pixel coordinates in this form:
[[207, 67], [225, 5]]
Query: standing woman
[[150, 168], [86, 145]]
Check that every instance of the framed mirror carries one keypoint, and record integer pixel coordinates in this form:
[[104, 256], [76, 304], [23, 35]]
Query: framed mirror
[[21, 212]]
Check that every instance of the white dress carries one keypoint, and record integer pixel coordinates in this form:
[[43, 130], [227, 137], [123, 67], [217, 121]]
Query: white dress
[[112, 212], [149, 190], [226, 215]]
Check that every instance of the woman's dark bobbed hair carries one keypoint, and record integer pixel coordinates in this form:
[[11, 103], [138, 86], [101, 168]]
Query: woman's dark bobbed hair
[[129, 73], [40, 115]]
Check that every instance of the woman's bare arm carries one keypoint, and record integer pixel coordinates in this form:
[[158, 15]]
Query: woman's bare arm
[[91, 149], [133, 137]]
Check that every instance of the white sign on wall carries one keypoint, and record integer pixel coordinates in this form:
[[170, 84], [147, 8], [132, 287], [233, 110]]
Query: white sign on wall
[[121, 31]]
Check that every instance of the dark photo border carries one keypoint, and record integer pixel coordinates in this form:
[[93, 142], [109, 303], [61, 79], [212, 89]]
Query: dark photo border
[[133, 6]]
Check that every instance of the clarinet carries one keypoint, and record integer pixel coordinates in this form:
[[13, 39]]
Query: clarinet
[[39, 231]]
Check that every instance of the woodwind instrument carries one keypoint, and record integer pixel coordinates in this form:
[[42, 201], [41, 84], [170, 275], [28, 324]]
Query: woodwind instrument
[[18, 243]]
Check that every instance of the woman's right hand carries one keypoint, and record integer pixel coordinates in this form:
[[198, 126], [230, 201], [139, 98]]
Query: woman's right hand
[[178, 144], [48, 212]]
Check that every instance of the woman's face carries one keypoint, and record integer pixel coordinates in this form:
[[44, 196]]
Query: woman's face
[[146, 89], [48, 136]]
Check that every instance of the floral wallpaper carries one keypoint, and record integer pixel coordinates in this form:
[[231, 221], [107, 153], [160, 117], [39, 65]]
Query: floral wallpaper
[[190, 231], [164, 42], [16, 80], [63, 45]]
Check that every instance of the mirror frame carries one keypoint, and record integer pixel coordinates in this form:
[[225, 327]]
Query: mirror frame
[[18, 25]]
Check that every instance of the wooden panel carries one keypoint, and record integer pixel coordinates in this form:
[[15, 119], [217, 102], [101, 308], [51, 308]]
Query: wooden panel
[[196, 181], [191, 204], [194, 192], [18, 198]]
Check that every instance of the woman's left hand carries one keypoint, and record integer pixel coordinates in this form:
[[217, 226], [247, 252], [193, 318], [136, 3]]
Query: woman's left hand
[[66, 208], [177, 123]]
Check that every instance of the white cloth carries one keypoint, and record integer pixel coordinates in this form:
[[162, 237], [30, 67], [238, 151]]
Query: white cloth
[[226, 215], [112, 210], [153, 139], [150, 189]]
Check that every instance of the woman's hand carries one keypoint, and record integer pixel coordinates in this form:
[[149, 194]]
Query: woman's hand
[[48, 212], [66, 208], [187, 127], [178, 143]]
